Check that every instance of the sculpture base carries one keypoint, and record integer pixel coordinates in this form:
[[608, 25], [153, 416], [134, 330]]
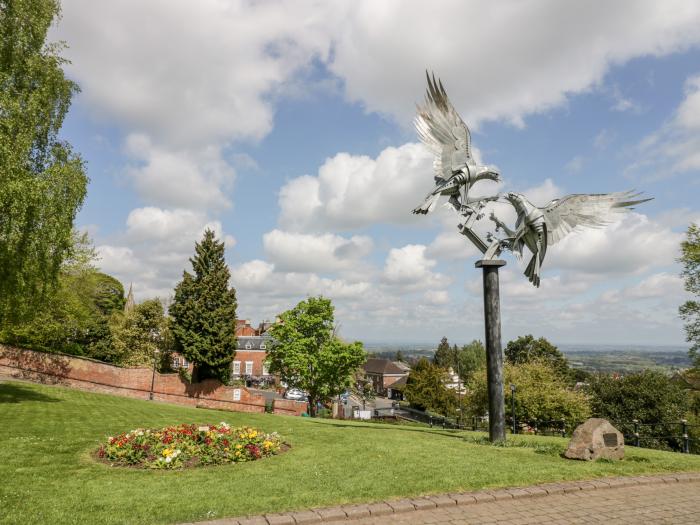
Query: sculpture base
[[494, 354]]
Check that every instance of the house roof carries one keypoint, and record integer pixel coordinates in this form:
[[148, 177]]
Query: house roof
[[376, 365], [399, 384], [254, 342]]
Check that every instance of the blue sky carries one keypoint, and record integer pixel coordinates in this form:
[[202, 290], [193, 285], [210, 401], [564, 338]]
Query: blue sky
[[286, 127]]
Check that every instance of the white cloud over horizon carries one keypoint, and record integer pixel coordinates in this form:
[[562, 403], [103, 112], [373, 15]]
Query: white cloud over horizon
[[182, 83]]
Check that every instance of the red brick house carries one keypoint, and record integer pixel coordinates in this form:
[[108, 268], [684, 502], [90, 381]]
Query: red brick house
[[384, 373], [251, 353]]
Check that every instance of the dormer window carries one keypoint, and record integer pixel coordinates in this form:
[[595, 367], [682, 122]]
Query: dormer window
[[248, 346], [262, 346]]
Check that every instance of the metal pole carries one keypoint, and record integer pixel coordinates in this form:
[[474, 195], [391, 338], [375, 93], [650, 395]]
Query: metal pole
[[686, 440], [494, 354], [512, 407], [153, 376]]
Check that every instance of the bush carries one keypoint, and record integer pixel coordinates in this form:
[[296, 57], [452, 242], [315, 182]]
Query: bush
[[189, 445], [541, 394]]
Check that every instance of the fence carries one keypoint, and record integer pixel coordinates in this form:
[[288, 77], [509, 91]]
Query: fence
[[678, 436]]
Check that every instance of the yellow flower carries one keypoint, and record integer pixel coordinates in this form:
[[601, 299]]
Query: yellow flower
[[267, 444], [167, 452], [239, 446]]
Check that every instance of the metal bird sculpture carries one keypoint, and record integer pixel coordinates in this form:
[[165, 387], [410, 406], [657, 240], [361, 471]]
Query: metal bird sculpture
[[446, 135], [539, 228]]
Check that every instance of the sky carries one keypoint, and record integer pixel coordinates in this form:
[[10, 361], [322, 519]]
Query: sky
[[286, 127]]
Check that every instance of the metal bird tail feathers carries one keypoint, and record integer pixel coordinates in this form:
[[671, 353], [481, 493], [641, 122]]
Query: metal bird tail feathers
[[445, 134]]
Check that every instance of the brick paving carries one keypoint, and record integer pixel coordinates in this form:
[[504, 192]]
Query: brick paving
[[669, 498]]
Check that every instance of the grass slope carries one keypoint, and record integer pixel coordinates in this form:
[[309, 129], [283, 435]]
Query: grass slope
[[48, 476]]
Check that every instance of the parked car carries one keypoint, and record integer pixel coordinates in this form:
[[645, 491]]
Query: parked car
[[296, 394]]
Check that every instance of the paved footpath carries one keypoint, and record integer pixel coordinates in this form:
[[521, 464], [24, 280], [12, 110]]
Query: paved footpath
[[669, 498]]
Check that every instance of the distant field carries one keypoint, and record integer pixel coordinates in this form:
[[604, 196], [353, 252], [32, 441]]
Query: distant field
[[592, 358], [628, 361], [47, 436]]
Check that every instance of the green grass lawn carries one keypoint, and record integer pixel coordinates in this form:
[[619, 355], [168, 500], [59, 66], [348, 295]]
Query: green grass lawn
[[47, 473]]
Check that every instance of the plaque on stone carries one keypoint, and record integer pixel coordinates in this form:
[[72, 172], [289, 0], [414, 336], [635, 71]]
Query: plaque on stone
[[594, 439], [610, 439]]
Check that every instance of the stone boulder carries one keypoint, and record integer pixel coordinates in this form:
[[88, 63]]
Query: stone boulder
[[596, 438]]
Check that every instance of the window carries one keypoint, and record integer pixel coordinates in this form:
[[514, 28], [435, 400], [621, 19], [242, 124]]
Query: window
[[266, 372], [236, 394], [236, 368], [249, 368], [248, 346], [262, 346], [185, 363], [176, 362]]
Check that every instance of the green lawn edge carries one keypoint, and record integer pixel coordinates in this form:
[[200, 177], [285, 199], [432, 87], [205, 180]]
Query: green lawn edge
[[48, 435]]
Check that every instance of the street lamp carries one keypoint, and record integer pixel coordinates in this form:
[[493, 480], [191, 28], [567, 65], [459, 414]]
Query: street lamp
[[153, 376], [512, 407]]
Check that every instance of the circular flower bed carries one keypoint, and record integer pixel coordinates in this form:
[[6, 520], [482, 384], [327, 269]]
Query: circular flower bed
[[189, 445]]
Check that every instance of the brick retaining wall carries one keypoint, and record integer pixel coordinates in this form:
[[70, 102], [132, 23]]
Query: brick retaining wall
[[95, 376]]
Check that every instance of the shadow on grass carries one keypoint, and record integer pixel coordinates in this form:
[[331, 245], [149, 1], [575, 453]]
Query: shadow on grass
[[16, 393], [373, 426]]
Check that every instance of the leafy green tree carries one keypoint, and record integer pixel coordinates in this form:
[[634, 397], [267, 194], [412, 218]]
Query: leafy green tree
[[443, 356], [204, 312], [526, 348], [471, 358], [74, 319], [648, 396], [690, 310], [541, 394], [140, 335], [425, 389], [308, 355], [42, 182], [400, 356]]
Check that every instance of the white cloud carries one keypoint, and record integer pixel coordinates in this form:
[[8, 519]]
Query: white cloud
[[297, 252], [575, 165], [410, 269], [195, 179], [675, 147], [632, 245], [357, 191], [191, 73], [154, 250], [509, 76], [437, 297]]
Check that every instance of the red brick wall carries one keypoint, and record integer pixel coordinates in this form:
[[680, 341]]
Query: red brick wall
[[87, 374], [95, 376], [289, 407]]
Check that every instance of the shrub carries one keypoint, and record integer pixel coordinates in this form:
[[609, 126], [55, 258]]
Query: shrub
[[189, 445]]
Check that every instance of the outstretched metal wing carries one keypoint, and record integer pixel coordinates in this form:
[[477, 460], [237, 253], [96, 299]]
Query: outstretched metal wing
[[443, 131], [564, 215]]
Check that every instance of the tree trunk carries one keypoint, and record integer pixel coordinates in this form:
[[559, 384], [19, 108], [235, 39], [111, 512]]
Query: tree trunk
[[312, 406]]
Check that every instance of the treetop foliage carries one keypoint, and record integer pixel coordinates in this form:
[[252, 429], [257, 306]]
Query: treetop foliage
[[42, 182], [526, 348]]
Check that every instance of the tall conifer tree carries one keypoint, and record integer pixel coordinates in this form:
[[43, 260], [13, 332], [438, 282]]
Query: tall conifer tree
[[204, 312]]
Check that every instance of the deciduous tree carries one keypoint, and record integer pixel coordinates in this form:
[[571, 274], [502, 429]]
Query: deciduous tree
[[42, 181], [425, 389], [526, 348], [307, 354], [690, 310], [541, 394], [648, 396], [204, 312]]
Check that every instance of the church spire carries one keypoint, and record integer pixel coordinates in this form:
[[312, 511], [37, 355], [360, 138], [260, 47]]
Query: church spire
[[130, 303]]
